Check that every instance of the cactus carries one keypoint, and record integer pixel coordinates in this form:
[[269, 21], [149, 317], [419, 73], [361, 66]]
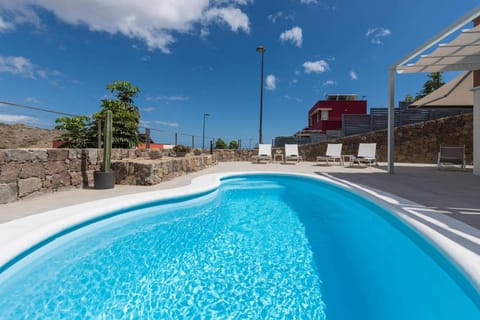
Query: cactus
[[107, 142]]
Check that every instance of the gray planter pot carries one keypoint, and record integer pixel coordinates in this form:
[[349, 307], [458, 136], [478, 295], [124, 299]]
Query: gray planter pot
[[104, 180]]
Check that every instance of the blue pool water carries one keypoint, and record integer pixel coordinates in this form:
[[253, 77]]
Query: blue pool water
[[259, 247]]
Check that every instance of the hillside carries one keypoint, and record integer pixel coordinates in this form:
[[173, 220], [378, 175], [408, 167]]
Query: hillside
[[22, 136]]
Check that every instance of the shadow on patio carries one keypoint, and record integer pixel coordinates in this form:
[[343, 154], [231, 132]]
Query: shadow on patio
[[451, 192]]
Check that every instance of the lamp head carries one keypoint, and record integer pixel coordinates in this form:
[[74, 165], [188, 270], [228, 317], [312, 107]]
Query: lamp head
[[261, 49]]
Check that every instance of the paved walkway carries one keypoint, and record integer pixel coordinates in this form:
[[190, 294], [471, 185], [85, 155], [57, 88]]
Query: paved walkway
[[452, 192]]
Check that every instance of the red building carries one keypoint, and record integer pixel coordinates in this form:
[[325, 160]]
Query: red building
[[327, 114]]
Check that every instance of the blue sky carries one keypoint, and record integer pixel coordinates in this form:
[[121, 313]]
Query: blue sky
[[194, 56]]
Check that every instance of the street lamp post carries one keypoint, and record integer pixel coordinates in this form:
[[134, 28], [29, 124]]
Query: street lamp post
[[203, 135], [262, 50]]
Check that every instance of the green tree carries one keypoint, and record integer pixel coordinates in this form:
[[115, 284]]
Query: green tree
[[409, 98], [77, 132], [220, 144], [435, 81], [233, 144], [126, 116], [80, 132]]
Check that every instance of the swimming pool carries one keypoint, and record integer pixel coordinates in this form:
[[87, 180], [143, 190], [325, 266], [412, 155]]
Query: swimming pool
[[253, 246]]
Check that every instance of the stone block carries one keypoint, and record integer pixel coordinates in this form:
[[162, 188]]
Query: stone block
[[3, 159], [47, 183], [28, 186], [122, 169], [92, 155], [18, 155], [57, 154], [32, 169], [39, 155], [9, 172], [75, 165], [61, 179], [8, 192], [74, 153], [77, 179], [56, 167]]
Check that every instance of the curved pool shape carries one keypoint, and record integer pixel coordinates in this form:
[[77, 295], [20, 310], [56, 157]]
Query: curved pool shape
[[258, 246]]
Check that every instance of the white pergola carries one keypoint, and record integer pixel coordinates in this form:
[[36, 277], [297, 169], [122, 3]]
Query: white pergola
[[462, 53]]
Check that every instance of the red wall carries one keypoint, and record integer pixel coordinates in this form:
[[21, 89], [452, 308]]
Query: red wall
[[339, 108]]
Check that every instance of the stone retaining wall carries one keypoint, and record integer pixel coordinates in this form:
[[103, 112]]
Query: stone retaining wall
[[415, 143], [29, 172], [150, 172]]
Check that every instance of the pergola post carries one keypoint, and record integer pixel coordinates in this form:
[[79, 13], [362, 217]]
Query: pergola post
[[391, 121], [476, 130], [476, 115]]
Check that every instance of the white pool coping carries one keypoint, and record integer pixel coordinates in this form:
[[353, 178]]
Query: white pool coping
[[458, 241]]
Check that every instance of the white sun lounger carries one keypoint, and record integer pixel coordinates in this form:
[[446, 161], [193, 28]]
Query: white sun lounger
[[366, 154], [264, 153], [451, 155], [333, 153], [291, 153]]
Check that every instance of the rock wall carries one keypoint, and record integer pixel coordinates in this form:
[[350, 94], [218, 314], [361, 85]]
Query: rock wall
[[228, 155], [150, 172], [29, 172], [415, 143]]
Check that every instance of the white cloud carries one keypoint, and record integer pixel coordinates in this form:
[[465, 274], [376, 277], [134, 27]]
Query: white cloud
[[153, 22], [17, 66], [235, 2], [329, 83], [167, 123], [6, 26], [274, 16], [377, 35], [293, 98], [234, 17], [294, 35], [144, 123], [353, 75], [32, 100], [204, 33], [148, 109], [319, 66], [23, 67], [56, 83], [16, 118], [271, 82], [327, 4], [168, 98]]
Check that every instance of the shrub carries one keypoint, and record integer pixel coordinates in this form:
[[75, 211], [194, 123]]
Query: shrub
[[181, 148]]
